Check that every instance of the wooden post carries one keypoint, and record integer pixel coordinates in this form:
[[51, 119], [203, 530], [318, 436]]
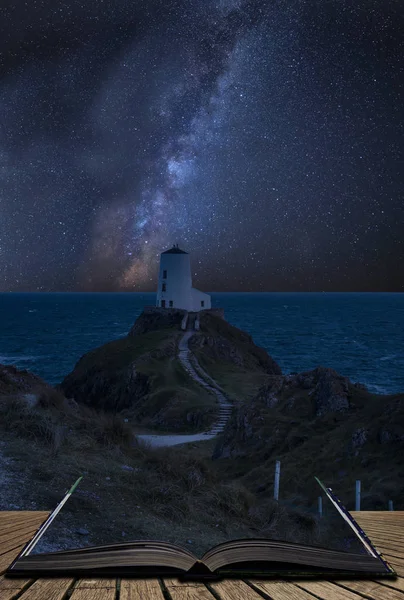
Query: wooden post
[[358, 495], [277, 475], [391, 505], [320, 506]]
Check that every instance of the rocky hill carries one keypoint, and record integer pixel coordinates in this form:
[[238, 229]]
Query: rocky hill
[[141, 377], [318, 423]]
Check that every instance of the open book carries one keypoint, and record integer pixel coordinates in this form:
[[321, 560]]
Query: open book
[[235, 558]]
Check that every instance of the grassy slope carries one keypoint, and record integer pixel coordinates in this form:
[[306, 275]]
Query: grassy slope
[[172, 393], [323, 446], [120, 354], [163, 496], [238, 384]]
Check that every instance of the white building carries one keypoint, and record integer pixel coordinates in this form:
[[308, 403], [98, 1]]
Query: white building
[[175, 283]]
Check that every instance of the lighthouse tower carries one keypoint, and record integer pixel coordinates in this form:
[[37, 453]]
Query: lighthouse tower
[[175, 283]]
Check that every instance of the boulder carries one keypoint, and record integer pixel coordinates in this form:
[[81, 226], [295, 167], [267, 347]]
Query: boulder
[[331, 391]]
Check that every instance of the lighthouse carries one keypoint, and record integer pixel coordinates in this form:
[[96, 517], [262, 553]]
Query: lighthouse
[[175, 283]]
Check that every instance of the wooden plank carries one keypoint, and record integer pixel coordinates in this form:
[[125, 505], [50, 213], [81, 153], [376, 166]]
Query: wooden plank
[[188, 590], [372, 590], [235, 589], [94, 589], [398, 583], [13, 583], [6, 529], [384, 538], [22, 516], [7, 558], [50, 588], [389, 548], [22, 538], [92, 594], [141, 589], [372, 530], [389, 557], [327, 590], [100, 582], [281, 590], [399, 569], [382, 529], [10, 588], [10, 535], [378, 514]]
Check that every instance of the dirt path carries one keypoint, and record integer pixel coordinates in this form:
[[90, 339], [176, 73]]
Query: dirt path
[[194, 369]]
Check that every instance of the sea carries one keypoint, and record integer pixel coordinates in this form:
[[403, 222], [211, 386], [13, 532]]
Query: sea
[[360, 335]]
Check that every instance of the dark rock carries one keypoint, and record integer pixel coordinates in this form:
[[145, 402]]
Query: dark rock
[[331, 393], [21, 383], [106, 389], [359, 438], [391, 433], [82, 531], [223, 342], [154, 318]]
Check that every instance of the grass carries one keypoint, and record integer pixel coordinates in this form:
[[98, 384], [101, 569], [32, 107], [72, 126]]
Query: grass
[[238, 384], [141, 378], [307, 445], [173, 397], [176, 494], [121, 353]]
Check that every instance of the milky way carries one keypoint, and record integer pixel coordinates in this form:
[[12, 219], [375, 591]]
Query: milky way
[[265, 138]]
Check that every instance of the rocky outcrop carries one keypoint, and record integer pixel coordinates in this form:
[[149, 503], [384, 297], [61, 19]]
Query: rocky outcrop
[[220, 341], [393, 432], [16, 383], [290, 409], [155, 318], [329, 390], [106, 390]]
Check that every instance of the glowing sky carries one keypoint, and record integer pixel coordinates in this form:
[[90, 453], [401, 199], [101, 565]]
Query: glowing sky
[[264, 137]]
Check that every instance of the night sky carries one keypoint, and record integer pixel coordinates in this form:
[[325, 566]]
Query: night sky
[[265, 137]]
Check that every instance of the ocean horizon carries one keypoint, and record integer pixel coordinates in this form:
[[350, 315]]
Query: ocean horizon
[[359, 334]]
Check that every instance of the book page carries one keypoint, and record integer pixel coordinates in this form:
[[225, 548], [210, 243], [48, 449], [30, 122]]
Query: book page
[[75, 527]]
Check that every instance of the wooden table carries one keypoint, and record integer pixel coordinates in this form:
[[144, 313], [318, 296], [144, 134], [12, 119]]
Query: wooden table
[[385, 529]]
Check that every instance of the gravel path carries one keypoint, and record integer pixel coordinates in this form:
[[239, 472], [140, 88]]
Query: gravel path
[[198, 374]]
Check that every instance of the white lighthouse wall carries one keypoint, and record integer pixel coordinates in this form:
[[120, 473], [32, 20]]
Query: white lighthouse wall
[[178, 281], [197, 297]]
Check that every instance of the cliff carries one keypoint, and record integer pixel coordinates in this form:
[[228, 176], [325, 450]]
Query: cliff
[[318, 423], [218, 340], [141, 376], [22, 384]]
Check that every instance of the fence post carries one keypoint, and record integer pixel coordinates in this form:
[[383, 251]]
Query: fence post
[[391, 505], [320, 506], [358, 495], [277, 475]]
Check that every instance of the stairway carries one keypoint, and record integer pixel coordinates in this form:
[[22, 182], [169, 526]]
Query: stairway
[[225, 407]]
